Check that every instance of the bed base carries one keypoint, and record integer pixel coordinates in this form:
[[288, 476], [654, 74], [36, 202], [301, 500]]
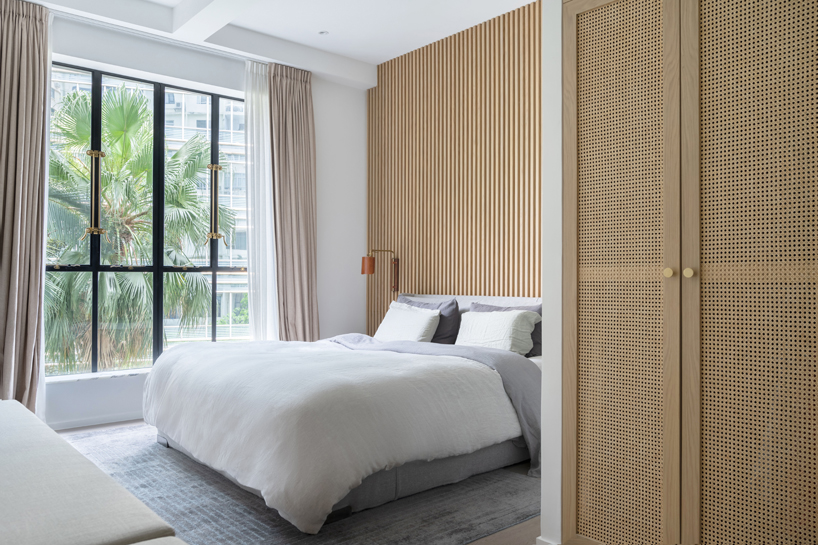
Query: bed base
[[410, 478]]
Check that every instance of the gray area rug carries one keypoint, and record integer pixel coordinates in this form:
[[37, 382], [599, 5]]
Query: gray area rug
[[205, 508]]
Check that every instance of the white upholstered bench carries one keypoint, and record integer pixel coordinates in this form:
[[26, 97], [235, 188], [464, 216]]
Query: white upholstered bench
[[50, 494]]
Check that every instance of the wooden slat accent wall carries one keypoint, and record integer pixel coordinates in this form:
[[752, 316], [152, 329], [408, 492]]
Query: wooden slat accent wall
[[454, 180]]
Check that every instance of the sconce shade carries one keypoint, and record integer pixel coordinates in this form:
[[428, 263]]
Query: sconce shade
[[368, 265]]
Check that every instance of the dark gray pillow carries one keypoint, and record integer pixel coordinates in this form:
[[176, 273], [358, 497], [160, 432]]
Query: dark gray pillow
[[449, 325], [536, 335]]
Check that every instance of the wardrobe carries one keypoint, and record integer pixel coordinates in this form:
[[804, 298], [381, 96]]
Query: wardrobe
[[690, 272]]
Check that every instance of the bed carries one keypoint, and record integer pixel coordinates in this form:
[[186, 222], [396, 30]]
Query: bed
[[321, 430]]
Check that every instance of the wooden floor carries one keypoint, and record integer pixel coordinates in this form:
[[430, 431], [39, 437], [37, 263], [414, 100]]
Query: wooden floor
[[525, 533]]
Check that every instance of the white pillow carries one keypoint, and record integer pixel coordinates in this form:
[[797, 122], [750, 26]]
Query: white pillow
[[506, 330], [407, 323]]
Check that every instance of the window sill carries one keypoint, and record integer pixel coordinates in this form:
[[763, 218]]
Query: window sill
[[96, 376]]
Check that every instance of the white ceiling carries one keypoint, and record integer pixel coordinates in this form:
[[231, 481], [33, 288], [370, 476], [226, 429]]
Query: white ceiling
[[372, 31], [361, 33]]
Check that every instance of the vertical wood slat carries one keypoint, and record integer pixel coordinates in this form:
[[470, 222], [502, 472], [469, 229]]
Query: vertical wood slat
[[570, 276], [671, 472], [454, 179], [691, 287]]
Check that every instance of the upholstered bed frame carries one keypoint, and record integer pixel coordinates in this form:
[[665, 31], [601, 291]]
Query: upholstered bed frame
[[465, 300], [414, 477]]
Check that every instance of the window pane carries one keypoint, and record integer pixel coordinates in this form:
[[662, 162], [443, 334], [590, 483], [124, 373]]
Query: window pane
[[67, 323], [69, 187], [187, 301], [233, 322], [187, 180], [231, 121], [232, 184], [126, 207], [125, 320]]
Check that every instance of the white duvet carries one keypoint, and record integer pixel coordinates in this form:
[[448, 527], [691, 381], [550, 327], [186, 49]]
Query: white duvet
[[305, 423]]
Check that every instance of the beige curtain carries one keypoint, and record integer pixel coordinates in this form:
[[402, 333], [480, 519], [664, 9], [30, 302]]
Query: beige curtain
[[293, 141], [24, 70]]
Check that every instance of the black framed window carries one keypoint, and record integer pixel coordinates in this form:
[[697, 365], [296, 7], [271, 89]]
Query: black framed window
[[143, 212]]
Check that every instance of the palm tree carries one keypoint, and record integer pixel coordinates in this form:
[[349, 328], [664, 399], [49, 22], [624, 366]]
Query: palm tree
[[126, 213]]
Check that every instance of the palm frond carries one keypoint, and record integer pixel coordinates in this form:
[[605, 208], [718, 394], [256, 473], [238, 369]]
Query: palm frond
[[124, 113], [71, 124]]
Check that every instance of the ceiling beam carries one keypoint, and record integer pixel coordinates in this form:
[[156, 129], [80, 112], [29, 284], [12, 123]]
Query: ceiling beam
[[134, 14], [198, 20], [331, 66]]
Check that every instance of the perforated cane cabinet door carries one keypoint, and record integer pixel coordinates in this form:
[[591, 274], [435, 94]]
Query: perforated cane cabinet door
[[622, 231], [751, 187]]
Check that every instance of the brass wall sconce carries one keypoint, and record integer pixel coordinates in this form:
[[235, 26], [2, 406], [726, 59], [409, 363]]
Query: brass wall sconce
[[368, 266]]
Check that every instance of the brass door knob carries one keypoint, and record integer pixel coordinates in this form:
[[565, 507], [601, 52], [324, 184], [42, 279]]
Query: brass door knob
[[688, 272], [668, 272]]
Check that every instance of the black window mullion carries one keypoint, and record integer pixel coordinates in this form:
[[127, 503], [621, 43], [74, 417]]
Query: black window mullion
[[187, 269], [214, 304], [214, 242], [68, 268], [95, 242], [158, 217]]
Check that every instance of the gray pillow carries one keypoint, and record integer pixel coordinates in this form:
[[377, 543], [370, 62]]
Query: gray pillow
[[449, 318], [536, 335]]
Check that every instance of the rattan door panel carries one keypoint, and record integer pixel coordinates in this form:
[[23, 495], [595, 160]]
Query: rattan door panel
[[749, 234], [758, 78], [622, 228]]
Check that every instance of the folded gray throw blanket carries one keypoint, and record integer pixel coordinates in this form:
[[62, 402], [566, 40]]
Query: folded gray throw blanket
[[522, 379]]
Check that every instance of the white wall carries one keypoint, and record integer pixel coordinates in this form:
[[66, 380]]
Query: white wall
[[552, 271], [111, 48], [340, 138], [71, 402], [340, 126]]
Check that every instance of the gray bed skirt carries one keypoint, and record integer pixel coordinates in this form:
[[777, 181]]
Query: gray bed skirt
[[410, 478]]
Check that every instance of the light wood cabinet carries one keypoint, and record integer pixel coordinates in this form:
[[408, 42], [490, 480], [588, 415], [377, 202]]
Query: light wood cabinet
[[690, 272]]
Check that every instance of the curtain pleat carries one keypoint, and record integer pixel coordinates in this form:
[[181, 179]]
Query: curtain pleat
[[261, 266], [24, 70], [294, 202]]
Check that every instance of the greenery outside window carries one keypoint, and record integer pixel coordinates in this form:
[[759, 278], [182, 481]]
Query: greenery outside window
[[131, 267]]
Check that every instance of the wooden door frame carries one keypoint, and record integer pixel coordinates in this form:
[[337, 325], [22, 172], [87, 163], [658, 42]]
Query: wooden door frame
[[691, 287], [671, 477]]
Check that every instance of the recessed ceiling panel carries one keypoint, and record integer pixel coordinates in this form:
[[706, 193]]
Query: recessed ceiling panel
[[372, 31], [169, 3]]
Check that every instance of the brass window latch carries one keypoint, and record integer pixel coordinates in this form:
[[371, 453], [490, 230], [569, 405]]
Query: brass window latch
[[216, 235], [214, 205], [95, 231], [96, 162]]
